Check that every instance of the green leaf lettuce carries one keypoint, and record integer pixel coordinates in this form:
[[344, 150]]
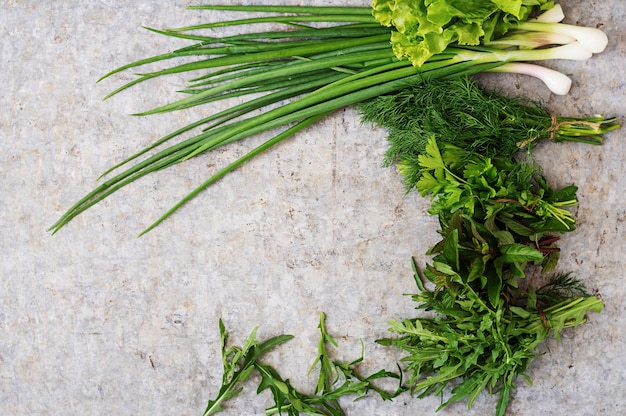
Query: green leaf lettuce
[[425, 27]]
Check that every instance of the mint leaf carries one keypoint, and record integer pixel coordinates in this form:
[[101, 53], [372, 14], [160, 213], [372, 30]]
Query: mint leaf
[[511, 253]]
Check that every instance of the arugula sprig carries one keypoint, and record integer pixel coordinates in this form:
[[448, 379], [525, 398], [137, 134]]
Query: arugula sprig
[[336, 379], [239, 363]]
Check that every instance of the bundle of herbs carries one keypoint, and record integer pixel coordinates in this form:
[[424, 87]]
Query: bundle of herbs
[[335, 380], [460, 112], [499, 218], [316, 60], [470, 346]]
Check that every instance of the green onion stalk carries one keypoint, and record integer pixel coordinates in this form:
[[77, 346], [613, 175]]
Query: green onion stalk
[[323, 59]]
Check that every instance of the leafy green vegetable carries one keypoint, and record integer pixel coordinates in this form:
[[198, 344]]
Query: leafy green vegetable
[[426, 27], [239, 362], [491, 188], [335, 379], [304, 72], [498, 218], [458, 111], [497, 215], [475, 346]]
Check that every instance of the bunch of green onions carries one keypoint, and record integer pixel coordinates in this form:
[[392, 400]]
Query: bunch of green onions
[[325, 58]]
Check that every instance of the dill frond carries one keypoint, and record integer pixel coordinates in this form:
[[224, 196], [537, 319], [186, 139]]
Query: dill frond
[[562, 286], [458, 111]]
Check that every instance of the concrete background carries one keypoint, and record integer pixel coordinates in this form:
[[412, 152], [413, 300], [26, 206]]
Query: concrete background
[[96, 321]]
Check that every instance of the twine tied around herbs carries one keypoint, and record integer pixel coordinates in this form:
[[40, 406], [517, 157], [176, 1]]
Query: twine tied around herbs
[[556, 125]]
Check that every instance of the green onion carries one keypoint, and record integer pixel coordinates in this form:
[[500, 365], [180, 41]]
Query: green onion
[[309, 72]]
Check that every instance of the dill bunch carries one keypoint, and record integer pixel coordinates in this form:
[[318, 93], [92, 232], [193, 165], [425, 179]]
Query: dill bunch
[[458, 111]]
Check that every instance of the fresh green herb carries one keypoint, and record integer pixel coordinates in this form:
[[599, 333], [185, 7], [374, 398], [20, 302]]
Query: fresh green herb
[[239, 363], [491, 187], [499, 217], [307, 71], [458, 111], [474, 346], [335, 379], [561, 286]]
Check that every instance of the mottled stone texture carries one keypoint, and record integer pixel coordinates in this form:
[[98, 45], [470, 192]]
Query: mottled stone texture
[[96, 321]]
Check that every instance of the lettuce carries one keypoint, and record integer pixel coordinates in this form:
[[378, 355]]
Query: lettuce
[[424, 28]]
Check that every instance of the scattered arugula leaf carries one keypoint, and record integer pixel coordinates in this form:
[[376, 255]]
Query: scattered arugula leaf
[[335, 379], [239, 362]]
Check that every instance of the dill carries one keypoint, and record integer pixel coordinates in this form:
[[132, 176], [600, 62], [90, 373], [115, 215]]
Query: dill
[[458, 111], [560, 287]]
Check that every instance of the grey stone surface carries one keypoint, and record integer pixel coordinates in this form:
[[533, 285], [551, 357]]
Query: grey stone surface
[[96, 321]]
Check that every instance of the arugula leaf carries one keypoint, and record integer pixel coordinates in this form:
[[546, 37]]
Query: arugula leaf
[[238, 364], [335, 379]]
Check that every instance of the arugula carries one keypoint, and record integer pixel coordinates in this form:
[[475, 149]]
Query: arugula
[[475, 346], [239, 363], [336, 379], [424, 28]]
